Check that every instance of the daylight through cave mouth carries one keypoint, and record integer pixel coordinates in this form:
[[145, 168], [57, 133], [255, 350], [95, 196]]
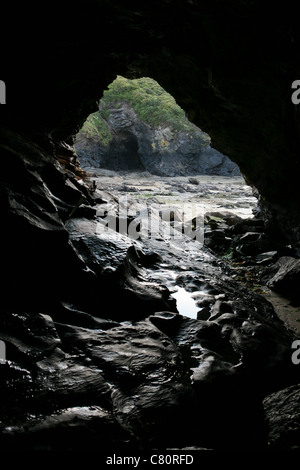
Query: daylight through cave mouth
[[139, 126], [99, 355]]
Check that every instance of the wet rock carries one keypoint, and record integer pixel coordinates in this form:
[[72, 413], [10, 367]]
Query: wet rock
[[204, 312], [283, 418], [148, 381], [194, 181], [84, 211], [74, 428], [63, 381], [27, 336], [248, 225], [252, 243], [69, 314], [100, 249], [17, 390], [250, 335], [144, 296], [40, 200], [217, 240], [155, 379], [220, 307], [266, 258], [218, 232], [169, 214], [119, 266], [213, 363], [284, 277]]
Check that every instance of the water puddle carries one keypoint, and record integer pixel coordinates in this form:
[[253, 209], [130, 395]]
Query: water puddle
[[185, 303]]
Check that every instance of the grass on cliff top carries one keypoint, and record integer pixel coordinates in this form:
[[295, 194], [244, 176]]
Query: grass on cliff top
[[150, 101], [96, 128]]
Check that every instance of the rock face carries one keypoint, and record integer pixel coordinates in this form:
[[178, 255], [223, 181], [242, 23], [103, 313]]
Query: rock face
[[282, 414], [284, 277], [163, 151], [97, 355]]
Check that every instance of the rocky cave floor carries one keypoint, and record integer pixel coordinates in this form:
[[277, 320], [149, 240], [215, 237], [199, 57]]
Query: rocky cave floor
[[210, 370], [220, 202]]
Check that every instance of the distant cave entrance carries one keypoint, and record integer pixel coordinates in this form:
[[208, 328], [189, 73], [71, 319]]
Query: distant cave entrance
[[139, 126], [123, 154]]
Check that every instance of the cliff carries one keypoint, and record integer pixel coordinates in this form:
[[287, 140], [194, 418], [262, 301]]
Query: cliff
[[140, 126]]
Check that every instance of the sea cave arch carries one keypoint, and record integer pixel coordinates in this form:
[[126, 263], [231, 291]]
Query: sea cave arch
[[230, 66], [139, 126]]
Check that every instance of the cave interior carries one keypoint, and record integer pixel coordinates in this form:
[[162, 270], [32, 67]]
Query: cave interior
[[230, 66]]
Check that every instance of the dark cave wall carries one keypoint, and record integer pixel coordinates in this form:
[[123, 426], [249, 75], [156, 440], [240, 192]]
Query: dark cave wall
[[229, 64]]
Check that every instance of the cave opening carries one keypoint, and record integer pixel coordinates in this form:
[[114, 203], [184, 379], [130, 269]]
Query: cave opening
[[95, 354], [141, 148], [139, 125]]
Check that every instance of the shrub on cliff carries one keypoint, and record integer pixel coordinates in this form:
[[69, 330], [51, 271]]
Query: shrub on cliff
[[152, 104], [149, 100], [96, 128]]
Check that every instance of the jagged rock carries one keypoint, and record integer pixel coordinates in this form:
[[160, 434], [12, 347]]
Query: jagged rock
[[146, 375], [266, 258], [75, 428], [247, 225], [84, 211], [216, 240], [193, 181], [225, 354], [162, 150], [118, 264], [283, 418], [101, 249], [284, 276], [252, 243]]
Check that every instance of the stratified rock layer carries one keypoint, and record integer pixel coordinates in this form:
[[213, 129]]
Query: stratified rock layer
[[161, 150]]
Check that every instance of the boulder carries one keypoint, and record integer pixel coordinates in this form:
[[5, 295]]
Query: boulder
[[282, 410], [235, 358], [284, 277]]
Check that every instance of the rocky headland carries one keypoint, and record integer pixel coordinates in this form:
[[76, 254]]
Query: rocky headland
[[139, 126]]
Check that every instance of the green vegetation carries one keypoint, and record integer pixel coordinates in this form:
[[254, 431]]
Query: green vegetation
[[96, 128], [150, 101]]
